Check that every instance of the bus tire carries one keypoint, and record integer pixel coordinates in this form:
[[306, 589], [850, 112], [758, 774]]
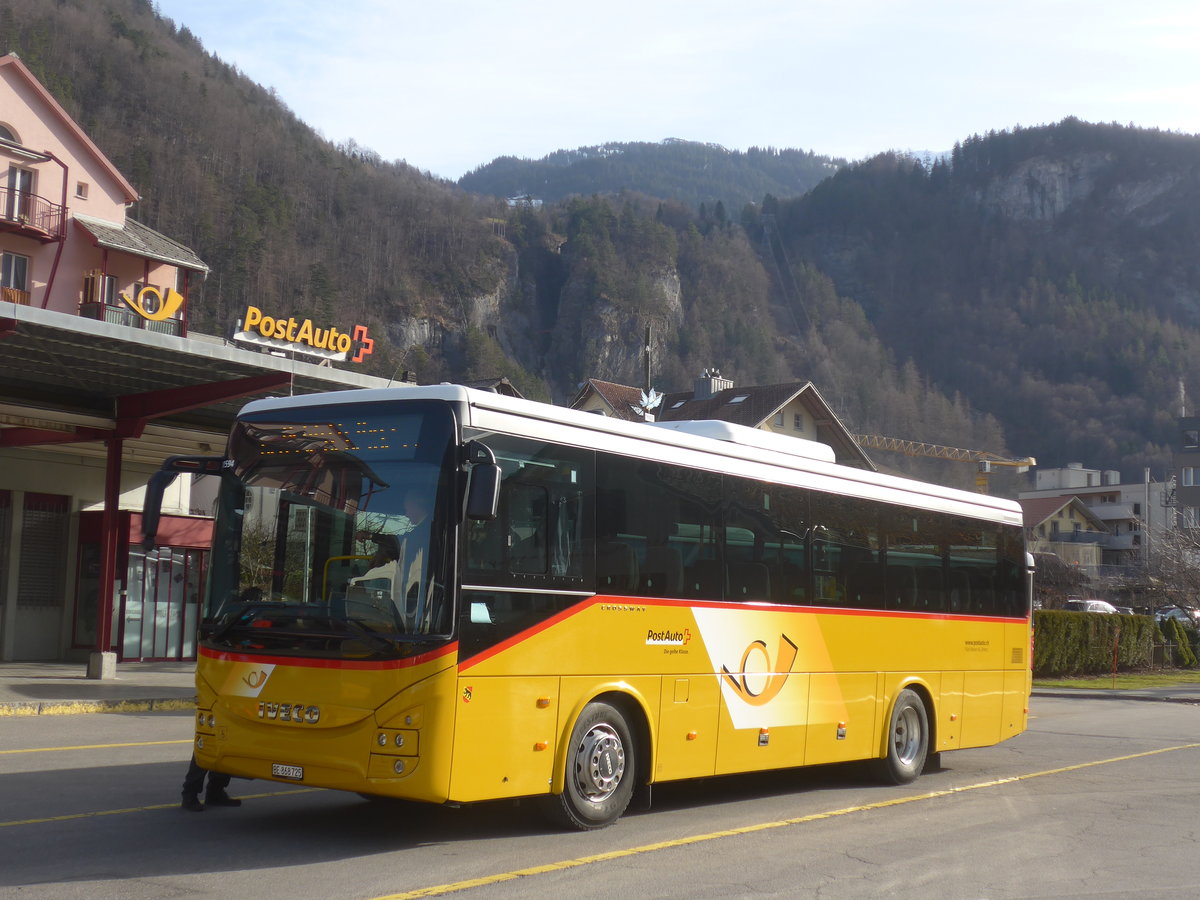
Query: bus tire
[[600, 771], [907, 741]]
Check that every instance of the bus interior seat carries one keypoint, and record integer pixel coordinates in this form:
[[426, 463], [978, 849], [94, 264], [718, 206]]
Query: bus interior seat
[[901, 587], [864, 585], [704, 579], [662, 571], [958, 590], [749, 581], [929, 587], [616, 567]]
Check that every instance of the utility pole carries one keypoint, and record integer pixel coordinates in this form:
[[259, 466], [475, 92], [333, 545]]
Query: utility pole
[[648, 333]]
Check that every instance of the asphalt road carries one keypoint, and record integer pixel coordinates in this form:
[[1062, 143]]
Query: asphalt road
[[1099, 797]]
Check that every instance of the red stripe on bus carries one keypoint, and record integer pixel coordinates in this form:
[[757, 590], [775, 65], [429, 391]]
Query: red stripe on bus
[[309, 663], [602, 599]]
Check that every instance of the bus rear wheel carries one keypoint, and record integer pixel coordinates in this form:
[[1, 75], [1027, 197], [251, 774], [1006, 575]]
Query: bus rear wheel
[[908, 740], [600, 770]]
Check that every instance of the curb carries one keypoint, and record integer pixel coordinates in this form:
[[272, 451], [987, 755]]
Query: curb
[[78, 707], [1111, 695]]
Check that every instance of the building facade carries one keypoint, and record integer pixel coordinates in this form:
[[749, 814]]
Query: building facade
[[1124, 520], [100, 380]]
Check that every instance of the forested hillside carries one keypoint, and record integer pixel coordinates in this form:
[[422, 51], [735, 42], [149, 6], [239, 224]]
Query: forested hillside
[[1037, 294], [1048, 273], [692, 173]]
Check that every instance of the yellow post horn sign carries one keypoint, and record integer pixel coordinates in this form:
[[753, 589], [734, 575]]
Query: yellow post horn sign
[[151, 304]]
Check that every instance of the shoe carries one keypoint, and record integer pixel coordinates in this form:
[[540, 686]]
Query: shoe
[[220, 798], [192, 803]]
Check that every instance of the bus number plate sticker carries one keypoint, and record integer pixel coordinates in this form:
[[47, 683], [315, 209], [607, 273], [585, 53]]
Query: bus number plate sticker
[[281, 771]]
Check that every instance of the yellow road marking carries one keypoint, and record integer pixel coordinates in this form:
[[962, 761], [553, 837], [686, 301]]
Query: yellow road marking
[[92, 747], [454, 887], [134, 809]]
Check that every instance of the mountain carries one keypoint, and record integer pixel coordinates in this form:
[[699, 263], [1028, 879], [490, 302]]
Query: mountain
[[1036, 293], [1049, 274], [684, 171]]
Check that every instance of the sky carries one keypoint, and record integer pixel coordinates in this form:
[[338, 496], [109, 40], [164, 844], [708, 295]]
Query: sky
[[449, 85]]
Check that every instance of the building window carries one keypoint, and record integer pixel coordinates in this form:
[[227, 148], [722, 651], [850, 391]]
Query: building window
[[81, 190], [798, 421], [14, 271], [1191, 437], [779, 419], [1187, 476], [19, 203]]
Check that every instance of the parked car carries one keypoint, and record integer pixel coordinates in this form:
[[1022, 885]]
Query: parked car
[[1097, 606], [1188, 617], [1126, 610]]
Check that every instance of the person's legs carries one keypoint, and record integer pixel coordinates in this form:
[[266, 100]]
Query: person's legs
[[193, 783], [216, 795]]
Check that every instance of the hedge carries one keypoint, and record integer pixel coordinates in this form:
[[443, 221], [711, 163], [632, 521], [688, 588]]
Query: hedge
[[1081, 643], [1173, 631]]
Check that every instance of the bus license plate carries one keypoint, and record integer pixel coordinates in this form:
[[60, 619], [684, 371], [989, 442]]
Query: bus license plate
[[281, 771]]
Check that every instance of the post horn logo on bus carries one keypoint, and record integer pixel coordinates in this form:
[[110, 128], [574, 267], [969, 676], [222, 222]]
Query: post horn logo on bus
[[155, 304], [301, 336], [761, 685]]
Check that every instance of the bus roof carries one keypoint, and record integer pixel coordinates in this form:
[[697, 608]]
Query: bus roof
[[722, 446]]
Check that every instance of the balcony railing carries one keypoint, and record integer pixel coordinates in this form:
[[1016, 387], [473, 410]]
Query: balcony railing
[[123, 315], [31, 215], [13, 295]]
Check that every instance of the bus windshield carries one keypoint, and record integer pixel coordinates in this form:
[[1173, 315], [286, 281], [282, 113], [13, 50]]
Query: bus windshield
[[334, 525]]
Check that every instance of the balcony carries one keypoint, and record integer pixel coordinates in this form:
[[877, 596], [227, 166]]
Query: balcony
[[14, 295], [31, 216], [123, 315]]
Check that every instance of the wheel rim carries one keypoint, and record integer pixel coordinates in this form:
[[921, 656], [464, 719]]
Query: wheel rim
[[599, 763], [906, 737]]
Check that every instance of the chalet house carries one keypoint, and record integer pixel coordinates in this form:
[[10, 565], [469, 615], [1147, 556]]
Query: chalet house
[[796, 409], [1065, 527]]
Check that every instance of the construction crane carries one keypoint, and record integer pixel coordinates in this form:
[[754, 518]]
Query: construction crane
[[985, 460]]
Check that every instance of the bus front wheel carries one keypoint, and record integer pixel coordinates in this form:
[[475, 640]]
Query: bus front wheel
[[908, 740], [600, 770]]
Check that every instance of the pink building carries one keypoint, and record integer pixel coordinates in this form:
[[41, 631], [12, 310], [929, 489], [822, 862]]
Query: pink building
[[66, 243], [100, 381]]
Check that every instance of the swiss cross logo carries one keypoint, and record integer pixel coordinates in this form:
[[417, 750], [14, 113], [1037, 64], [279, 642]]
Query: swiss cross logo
[[363, 346]]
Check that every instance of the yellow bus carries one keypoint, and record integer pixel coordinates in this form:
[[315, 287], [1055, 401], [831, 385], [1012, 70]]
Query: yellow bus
[[448, 595]]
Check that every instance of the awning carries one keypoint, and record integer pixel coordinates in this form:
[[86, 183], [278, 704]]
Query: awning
[[68, 383]]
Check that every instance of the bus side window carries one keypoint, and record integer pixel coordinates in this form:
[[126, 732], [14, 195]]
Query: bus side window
[[528, 508], [542, 532]]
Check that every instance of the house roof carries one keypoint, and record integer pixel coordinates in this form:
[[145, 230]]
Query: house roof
[[748, 406], [13, 63], [496, 386], [1036, 510], [134, 237], [622, 399]]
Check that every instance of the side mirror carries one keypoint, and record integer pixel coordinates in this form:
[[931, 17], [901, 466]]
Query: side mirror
[[483, 492], [483, 489], [161, 480]]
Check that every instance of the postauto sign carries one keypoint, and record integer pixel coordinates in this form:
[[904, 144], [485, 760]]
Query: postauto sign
[[302, 336]]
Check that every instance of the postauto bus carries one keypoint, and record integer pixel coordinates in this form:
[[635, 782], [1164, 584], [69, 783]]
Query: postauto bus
[[448, 595]]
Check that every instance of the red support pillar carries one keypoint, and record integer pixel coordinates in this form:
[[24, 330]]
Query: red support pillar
[[103, 663]]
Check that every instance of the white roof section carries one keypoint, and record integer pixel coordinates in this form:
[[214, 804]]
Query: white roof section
[[498, 413], [752, 437]]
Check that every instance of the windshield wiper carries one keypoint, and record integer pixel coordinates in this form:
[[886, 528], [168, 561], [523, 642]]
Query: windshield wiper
[[361, 628]]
